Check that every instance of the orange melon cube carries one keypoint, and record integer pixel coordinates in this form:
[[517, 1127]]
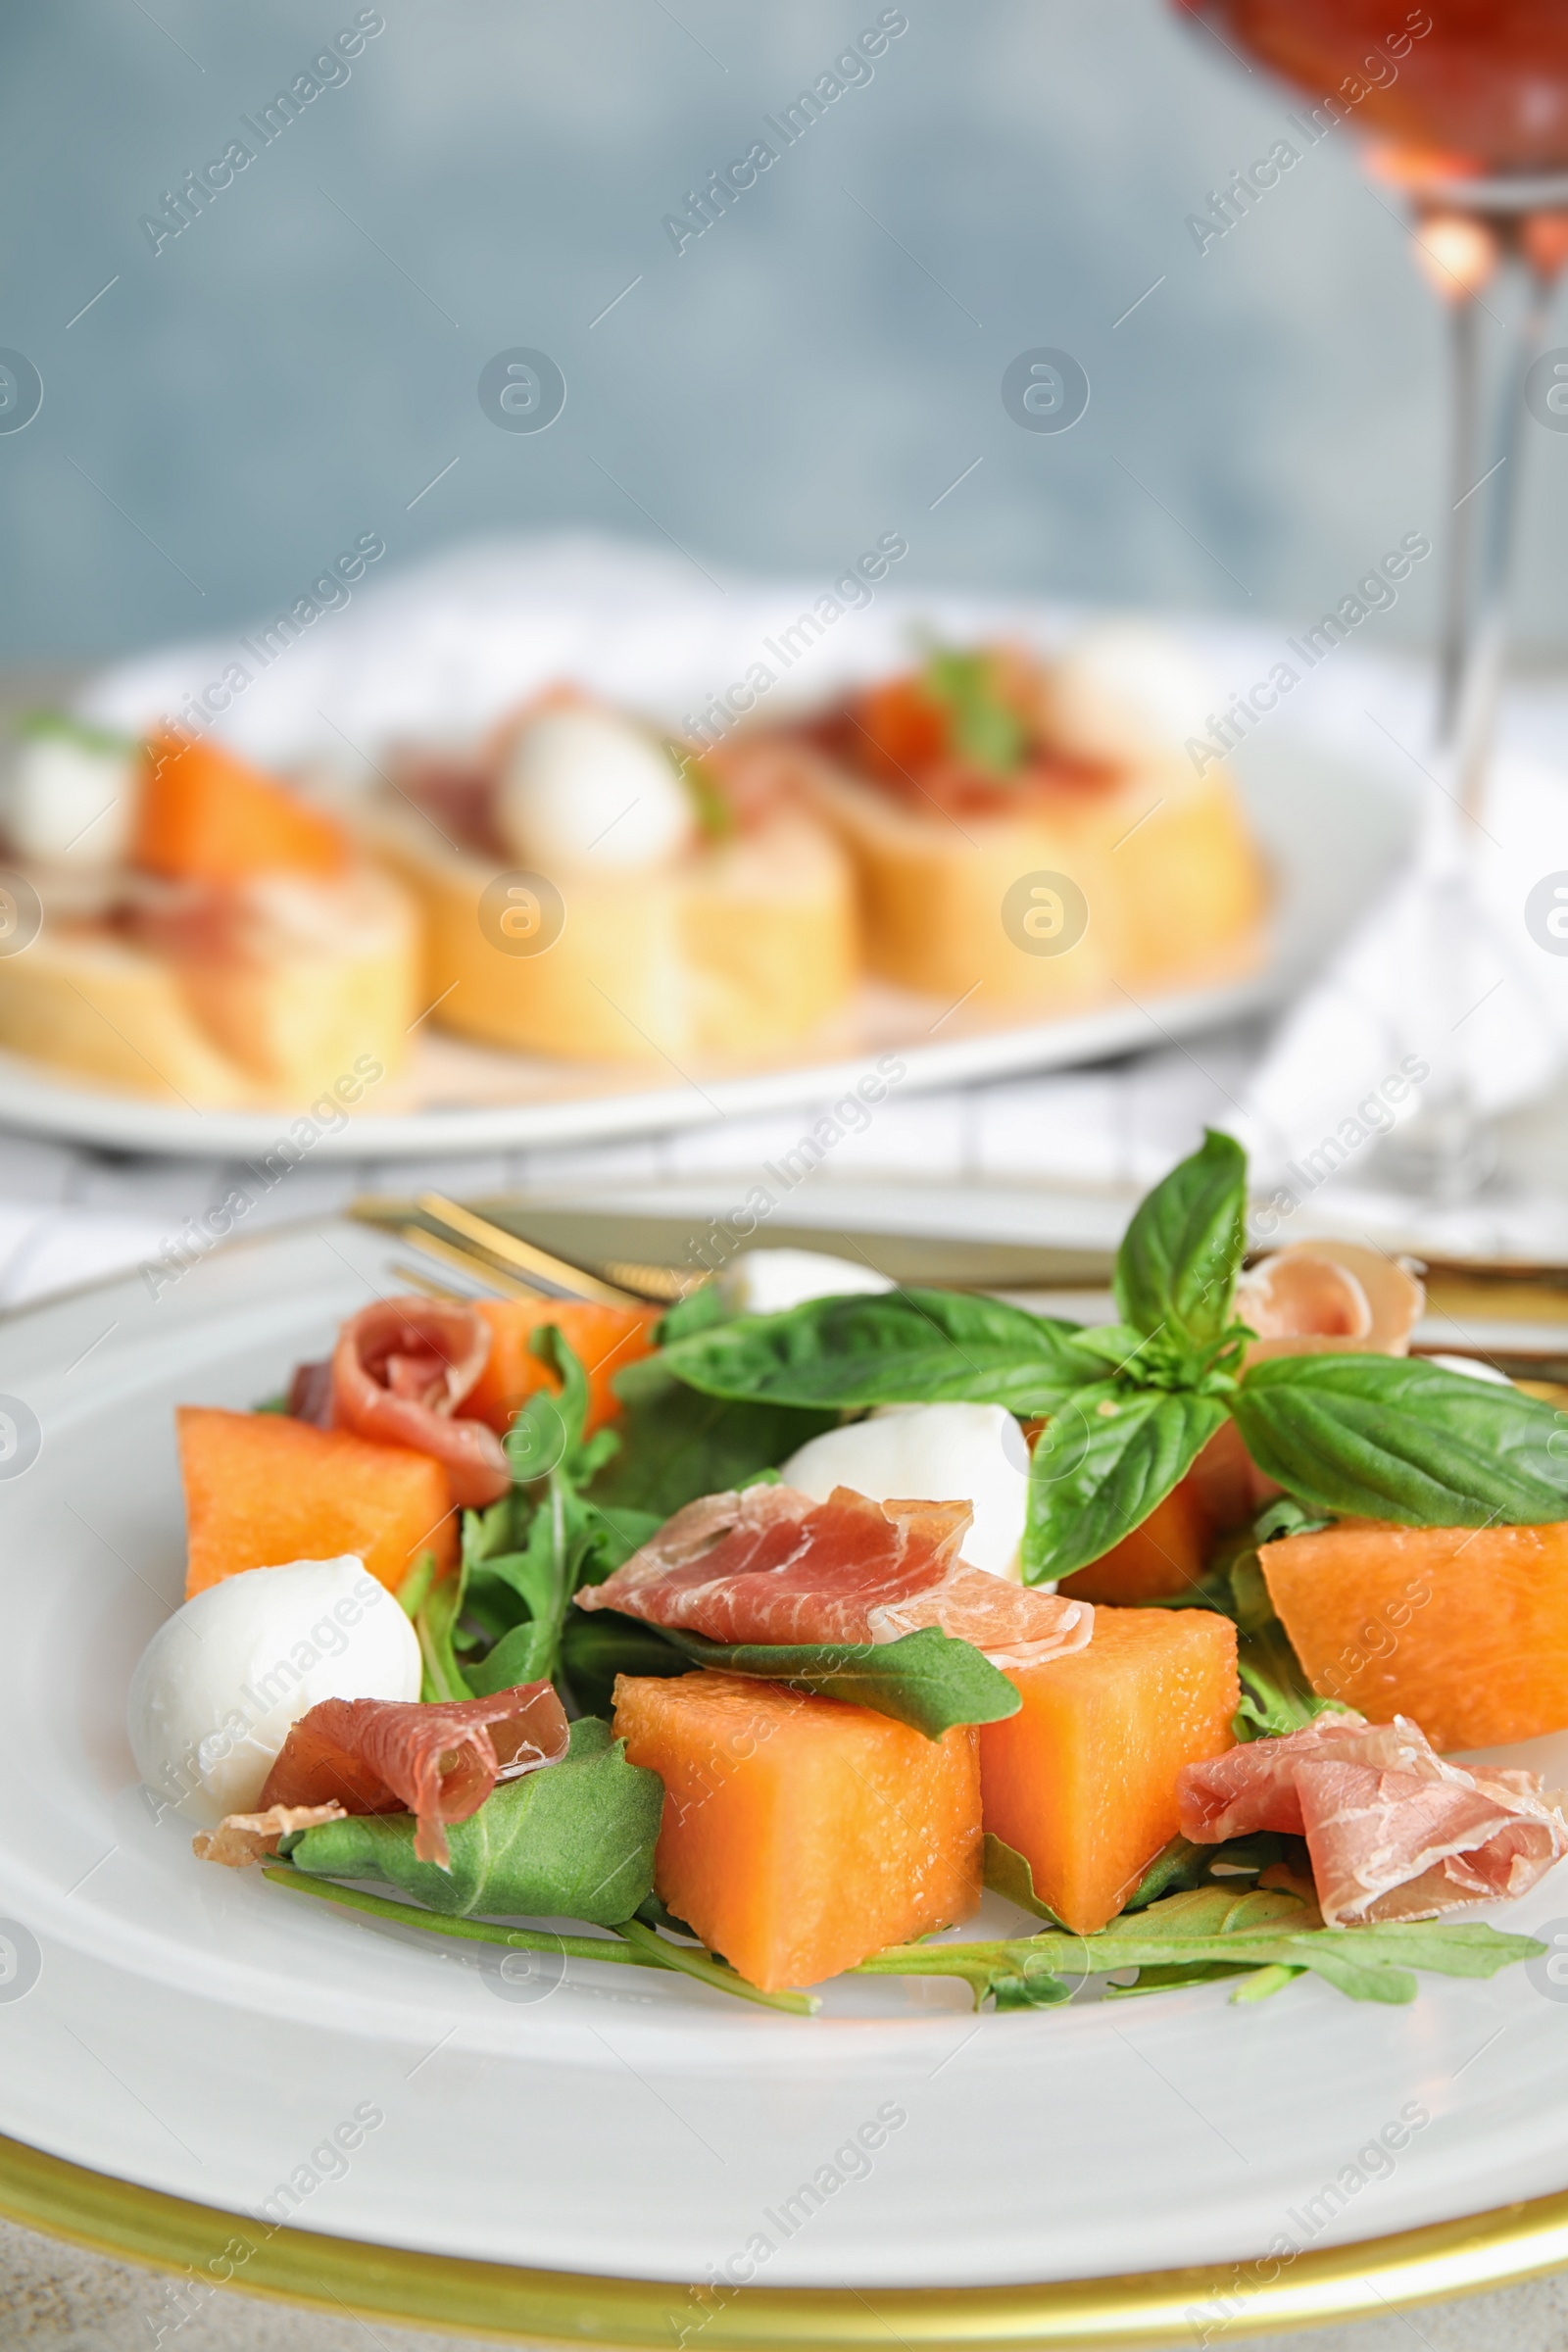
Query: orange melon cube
[[799, 1834], [602, 1338], [1082, 1780], [262, 1490], [1464, 1629], [204, 816]]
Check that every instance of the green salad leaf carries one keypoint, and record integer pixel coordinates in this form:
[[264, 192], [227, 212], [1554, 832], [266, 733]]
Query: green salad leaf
[[984, 728], [1177, 1265], [909, 1346], [1211, 1927], [595, 1648], [676, 1444], [928, 1678], [1102, 1463], [1382, 1437], [573, 1840]]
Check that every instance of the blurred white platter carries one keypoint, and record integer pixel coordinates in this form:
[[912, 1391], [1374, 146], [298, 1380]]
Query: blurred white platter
[[1331, 831], [575, 2156]]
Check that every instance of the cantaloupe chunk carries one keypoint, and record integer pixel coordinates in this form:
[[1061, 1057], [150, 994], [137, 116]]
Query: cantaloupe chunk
[[205, 816], [1464, 1629], [1082, 1780], [604, 1339], [262, 1490], [799, 1834]]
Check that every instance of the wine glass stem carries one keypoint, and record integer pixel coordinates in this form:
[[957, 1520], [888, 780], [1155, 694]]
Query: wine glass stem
[[1464, 329]]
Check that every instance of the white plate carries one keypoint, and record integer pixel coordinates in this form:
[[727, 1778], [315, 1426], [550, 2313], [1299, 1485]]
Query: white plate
[[1331, 833], [202, 2032]]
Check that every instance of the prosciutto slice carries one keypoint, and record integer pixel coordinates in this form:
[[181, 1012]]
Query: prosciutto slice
[[1393, 1831], [399, 1372], [438, 1762], [771, 1565]]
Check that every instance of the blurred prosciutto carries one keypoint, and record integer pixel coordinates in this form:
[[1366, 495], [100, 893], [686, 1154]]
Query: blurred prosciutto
[[773, 1565], [399, 1372], [1393, 1831], [1322, 1297], [438, 1762]]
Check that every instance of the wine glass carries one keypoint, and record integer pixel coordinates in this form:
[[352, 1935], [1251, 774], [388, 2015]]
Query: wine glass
[[1464, 110]]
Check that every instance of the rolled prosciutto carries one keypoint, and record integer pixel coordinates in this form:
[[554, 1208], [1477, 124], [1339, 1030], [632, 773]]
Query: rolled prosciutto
[[397, 1376], [1392, 1829], [438, 1762]]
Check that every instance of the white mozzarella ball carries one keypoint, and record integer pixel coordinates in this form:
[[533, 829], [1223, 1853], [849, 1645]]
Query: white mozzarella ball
[[973, 1453], [583, 788], [69, 803], [1127, 691], [764, 1282], [219, 1686]]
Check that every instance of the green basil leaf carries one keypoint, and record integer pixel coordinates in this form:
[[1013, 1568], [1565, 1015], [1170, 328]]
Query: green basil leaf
[[1381, 1437], [701, 1306], [678, 1445], [896, 1348], [1102, 1465], [929, 1680], [573, 1840], [1177, 1264]]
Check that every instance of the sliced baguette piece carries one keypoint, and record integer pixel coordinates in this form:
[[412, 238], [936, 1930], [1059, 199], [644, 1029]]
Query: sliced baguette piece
[[333, 985], [736, 948]]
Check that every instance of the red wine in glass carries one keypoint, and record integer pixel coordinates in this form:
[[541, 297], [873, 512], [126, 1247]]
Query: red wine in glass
[[1464, 106]]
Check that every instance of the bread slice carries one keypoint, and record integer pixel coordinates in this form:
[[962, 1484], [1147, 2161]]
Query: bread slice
[[323, 980], [1173, 886], [739, 947]]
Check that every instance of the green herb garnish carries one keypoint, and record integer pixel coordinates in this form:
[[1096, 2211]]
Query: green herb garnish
[[985, 730], [928, 1678]]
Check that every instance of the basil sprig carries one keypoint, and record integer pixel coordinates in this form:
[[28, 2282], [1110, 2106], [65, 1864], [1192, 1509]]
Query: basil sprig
[[1128, 1407]]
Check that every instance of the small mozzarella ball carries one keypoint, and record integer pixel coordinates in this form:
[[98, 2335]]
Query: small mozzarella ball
[[69, 803], [219, 1686], [973, 1453], [764, 1282], [581, 788], [1125, 691]]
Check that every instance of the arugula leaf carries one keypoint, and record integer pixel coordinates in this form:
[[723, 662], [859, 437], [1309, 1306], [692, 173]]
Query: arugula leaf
[[1176, 1867], [572, 1840], [1212, 1927], [1381, 1437], [929, 1680], [909, 1346], [1010, 1875], [435, 1623], [1177, 1265], [678, 1445], [1101, 1467], [595, 1648]]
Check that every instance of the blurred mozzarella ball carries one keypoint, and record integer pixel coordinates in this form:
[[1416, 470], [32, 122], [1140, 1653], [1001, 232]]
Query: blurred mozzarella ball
[[1471, 1367], [764, 1282], [1126, 690], [973, 1453], [220, 1684], [70, 802], [583, 788]]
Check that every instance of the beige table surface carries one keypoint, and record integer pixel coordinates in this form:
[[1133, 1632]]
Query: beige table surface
[[52, 2297]]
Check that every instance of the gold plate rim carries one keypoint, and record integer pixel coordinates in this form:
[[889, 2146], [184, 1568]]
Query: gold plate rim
[[455, 2293]]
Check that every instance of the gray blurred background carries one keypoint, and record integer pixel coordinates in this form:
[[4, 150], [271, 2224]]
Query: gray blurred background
[[294, 367]]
